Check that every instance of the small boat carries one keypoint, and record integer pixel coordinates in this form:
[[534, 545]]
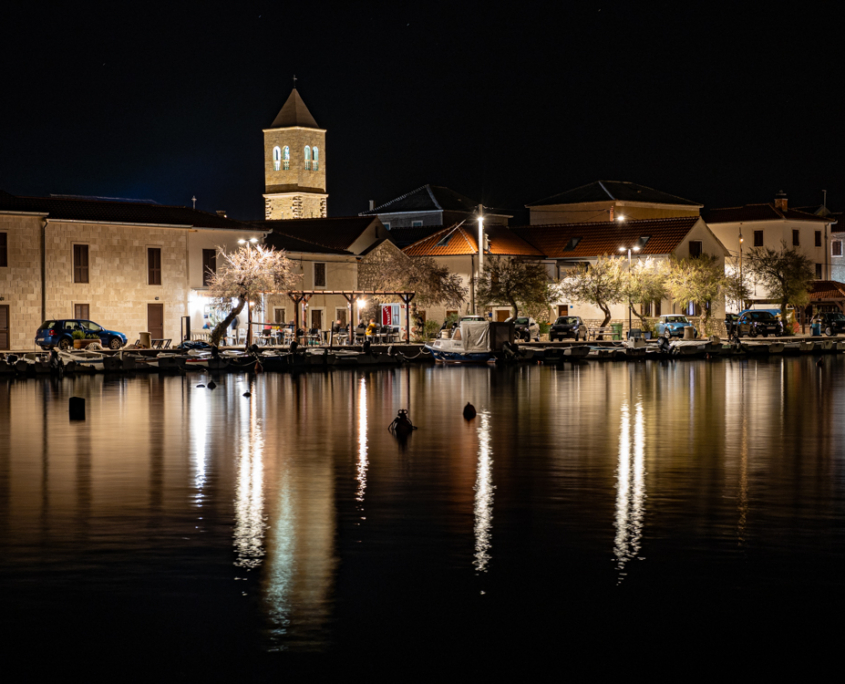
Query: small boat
[[475, 342], [84, 359], [689, 348]]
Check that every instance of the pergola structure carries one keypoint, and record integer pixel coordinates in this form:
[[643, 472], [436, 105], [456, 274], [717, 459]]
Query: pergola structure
[[301, 297], [827, 294]]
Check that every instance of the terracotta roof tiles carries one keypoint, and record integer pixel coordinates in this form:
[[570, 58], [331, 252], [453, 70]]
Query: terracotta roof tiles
[[460, 240]]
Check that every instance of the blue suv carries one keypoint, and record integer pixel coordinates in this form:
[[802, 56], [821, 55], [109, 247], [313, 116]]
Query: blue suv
[[59, 333]]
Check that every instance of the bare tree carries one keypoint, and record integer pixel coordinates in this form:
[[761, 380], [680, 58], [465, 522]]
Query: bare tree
[[388, 268], [515, 282], [243, 276], [600, 284], [786, 273], [697, 280]]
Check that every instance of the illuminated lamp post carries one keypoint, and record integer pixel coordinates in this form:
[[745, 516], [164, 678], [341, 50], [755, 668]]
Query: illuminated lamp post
[[480, 252], [629, 249], [248, 244]]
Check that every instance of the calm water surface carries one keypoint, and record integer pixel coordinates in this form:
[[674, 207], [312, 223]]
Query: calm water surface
[[626, 504]]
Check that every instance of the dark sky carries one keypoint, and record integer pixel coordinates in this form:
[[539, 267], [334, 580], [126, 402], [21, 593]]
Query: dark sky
[[505, 102]]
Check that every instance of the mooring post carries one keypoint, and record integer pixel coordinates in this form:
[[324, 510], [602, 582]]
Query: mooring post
[[76, 406]]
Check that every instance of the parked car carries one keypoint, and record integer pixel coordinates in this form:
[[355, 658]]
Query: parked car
[[568, 326], [672, 325], [831, 323], [525, 328], [59, 333], [756, 322]]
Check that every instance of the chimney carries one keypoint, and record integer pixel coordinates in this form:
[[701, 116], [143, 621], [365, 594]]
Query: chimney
[[780, 201], [372, 205], [221, 212]]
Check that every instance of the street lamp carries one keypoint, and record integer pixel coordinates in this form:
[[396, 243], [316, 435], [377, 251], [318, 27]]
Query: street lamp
[[480, 252], [630, 249]]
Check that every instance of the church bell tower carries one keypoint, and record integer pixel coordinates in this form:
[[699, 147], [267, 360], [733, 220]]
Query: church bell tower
[[294, 164]]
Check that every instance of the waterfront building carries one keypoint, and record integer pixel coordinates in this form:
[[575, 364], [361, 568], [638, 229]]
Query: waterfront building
[[128, 265], [773, 224], [601, 201]]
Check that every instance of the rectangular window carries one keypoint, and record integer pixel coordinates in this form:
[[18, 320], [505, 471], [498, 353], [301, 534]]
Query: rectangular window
[[758, 238], [695, 248], [657, 308], [416, 224], [340, 315], [818, 271], [319, 275], [209, 265], [387, 225], [82, 311], [279, 315], [154, 265], [836, 248], [796, 238], [4, 250], [80, 263], [818, 238], [5, 335]]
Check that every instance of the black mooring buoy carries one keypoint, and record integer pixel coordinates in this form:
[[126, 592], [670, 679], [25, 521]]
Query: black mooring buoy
[[211, 385], [200, 386], [469, 411], [76, 405], [247, 394]]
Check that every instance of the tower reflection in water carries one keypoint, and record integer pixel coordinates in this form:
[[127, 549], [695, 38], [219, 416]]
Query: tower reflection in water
[[483, 488], [630, 486], [249, 502]]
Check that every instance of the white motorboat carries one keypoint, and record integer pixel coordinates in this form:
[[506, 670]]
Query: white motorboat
[[473, 342], [83, 358]]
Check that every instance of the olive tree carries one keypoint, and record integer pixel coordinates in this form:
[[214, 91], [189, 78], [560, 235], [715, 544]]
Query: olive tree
[[599, 284], [519, 284], [645, 282], [786, 273], [697, 280], [243, 276]]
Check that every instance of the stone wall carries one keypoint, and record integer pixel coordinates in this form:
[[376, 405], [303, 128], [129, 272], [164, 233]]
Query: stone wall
[[118, 290], [20, 280], [283, 206]]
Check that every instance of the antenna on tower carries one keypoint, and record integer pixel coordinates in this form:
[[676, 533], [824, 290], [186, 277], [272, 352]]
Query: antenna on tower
[[194, 200], [294, 81]]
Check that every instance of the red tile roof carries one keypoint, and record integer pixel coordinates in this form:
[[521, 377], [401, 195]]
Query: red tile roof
[[608, 236], [827, 289], [460, 240], [758, 212]]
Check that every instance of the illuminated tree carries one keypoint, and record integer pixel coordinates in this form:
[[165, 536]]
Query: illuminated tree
[[786, 273], [243, 276], [519, 284], [645, 282], [697, 280], [599, 284]]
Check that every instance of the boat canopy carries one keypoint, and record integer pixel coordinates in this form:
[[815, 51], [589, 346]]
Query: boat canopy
[[485, 336]]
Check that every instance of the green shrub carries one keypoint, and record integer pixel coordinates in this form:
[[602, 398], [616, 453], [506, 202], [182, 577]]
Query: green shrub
[[430, 329], [78, 335]]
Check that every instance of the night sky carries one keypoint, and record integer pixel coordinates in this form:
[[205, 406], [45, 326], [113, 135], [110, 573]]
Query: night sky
[[508, 103]]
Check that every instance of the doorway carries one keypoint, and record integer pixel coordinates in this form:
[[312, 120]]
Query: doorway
[[317, 319], [502, 315], [155, 321], [563, 309]]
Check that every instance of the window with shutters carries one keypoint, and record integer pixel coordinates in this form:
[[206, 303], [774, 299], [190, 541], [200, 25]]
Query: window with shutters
[[82, 311], [4, 249], [836, 248], [319, 275], [758, 238], [80, 263], [818, 238], [154, 265], [695, 248]]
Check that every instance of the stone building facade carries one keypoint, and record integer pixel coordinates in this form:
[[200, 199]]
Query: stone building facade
[[294, 164]]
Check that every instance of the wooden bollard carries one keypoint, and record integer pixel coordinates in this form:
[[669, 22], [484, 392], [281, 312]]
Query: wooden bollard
[[77, 408]]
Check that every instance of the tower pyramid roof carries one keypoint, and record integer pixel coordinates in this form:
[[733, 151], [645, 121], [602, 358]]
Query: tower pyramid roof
[[294, 113]]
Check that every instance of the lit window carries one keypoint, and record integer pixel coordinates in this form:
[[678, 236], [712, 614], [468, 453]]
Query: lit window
[[316, 154], [387, 225], [286, 158], [307, 158], [277, 158]]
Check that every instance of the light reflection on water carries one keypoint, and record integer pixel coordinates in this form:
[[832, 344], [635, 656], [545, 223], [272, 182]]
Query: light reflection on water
[[254, 505]]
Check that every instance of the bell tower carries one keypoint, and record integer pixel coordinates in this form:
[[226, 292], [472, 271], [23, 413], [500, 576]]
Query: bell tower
[[294, 164]]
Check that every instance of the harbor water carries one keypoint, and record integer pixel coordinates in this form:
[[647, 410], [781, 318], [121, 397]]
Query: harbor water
[[640, 506]]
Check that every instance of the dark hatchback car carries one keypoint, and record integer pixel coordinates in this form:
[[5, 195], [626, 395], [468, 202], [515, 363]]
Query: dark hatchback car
[[568, 326], [831, 323], [59, 333], [754, 323]]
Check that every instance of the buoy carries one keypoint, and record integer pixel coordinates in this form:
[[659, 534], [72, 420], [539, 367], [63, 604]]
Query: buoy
[[200, 385], [402, 425], [247, 394], [469, 411], [212, 385], [76, 406]]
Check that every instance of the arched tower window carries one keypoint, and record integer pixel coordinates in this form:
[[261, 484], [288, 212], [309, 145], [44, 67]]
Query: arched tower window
[[316, 158], [307, 158], [277, 158], [286, 158]]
